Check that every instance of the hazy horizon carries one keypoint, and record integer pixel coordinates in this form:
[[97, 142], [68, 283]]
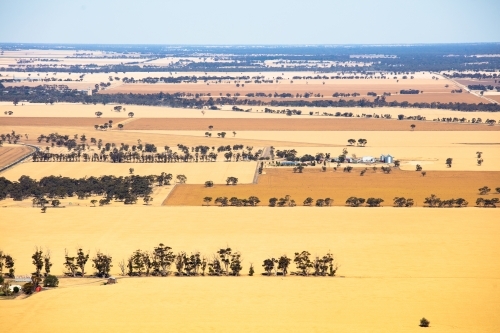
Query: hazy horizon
[[266, 23]]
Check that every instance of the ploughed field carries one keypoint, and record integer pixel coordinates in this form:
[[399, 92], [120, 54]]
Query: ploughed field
[[339, 185], [396, 266], [11, 153]]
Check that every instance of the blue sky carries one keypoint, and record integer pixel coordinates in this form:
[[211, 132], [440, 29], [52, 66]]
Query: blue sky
[[249, 22]]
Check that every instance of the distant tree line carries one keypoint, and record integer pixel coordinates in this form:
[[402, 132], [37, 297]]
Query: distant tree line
[[42, 95]]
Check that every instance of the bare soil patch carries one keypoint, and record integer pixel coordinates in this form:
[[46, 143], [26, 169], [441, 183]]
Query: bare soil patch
[[296, 124], [340, 186], [54, 121], [9, 154]]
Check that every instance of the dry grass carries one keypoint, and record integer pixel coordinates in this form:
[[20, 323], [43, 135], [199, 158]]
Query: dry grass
[[299, 124], [340, 186], [11, 153], [399, 265], [56, 122]]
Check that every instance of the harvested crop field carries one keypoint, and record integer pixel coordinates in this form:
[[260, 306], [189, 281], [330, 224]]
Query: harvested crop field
[[298, 124], [437, 97], [11, 153], [340, 186], [54, 121], [196, 173], [396, 268], [298, 86]]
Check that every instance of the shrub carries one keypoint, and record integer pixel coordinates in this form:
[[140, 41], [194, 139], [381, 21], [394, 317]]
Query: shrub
[[16, 290], [51, 281], [27, 288], [424, 322]]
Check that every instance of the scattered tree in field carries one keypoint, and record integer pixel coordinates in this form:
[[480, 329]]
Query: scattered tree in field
[[424, 323], [303, 263], [386, 170], [251, 271], [44, 209], [120, 126], [497, 189], [348, 169], [374, 202], [47, 263], [222, 201], [362, 142], [449, 161], [397, 163], [432, 201], [231, 181], [234, 134], [221, 134], [181, 179], [355, 202], [6, 261], [480, 161], [147, 199], [403, 202], [269, 265], [480, 202], [362, 173], [298, 168], [55, 203], [351, 142], [207, 200], [418, 167], [479, 154], [131, 114], [413, 126], [98, 114], [308, 201], [102, 264], [38, 261], [283, 263], [484, 190], [424, 173], [210, 127]]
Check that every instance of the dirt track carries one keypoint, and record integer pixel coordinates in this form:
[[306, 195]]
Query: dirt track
[[297, 124], [340, 186]]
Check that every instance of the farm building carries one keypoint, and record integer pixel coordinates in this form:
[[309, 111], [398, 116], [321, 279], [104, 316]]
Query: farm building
[[289, 163], [367, 159], [387, 158]]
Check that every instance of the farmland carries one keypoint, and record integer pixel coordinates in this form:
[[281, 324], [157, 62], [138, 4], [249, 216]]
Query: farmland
[[341, 185], [407, 263], [168, 111]]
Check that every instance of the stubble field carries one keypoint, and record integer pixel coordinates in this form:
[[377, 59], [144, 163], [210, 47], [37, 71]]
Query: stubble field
[[340, 186], [11, 153], [397, 266]]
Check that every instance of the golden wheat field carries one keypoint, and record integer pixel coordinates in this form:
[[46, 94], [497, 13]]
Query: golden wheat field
[[396, 267]]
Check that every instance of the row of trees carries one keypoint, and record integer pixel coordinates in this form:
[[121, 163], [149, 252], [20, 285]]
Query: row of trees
[[58, 187], [287, 201], [41, 94], [141, 153]]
